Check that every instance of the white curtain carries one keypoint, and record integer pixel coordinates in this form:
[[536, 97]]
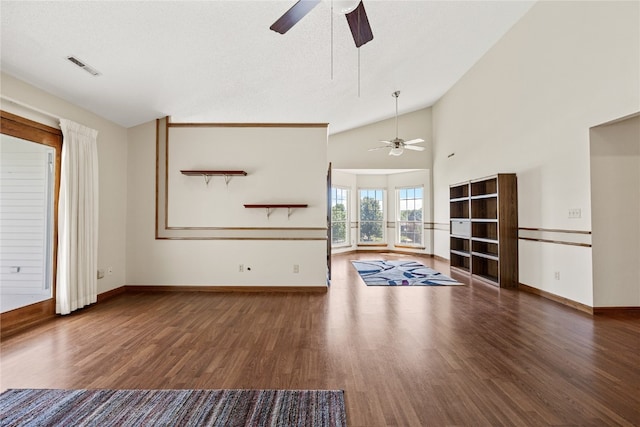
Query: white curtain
[[77, 219]]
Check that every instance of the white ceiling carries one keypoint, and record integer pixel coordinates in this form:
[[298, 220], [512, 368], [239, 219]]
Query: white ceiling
[[217, 61]]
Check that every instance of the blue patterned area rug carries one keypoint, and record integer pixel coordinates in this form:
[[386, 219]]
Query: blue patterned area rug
[[400, 273], [35, 407]]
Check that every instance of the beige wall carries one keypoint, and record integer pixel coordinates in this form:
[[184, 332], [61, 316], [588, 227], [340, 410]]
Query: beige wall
[[526, 107], [615, 213], [298, 176], [112, 158]]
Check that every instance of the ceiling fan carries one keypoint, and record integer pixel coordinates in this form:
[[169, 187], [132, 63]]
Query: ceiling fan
[[353, 10], [398, 145]]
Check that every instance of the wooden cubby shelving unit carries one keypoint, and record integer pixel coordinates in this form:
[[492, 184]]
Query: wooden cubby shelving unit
[[207, 174], [484, 229], [270, 207]]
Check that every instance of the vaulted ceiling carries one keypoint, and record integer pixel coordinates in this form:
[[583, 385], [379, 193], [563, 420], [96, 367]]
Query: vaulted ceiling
[[218, 61]]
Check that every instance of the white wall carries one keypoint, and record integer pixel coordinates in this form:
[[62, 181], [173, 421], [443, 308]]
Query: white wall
[[112, 158], [615, 201], [349, 150], [526, 107], [277, 173]]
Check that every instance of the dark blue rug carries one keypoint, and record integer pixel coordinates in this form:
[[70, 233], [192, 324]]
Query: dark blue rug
[[400, 273]]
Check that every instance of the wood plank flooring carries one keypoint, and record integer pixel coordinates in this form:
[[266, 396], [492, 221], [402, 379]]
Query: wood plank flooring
[[405, 356]]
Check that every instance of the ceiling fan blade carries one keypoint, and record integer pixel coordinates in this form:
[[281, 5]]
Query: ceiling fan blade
[[293, 15], [414, 141], [414, 147], [377, 148], [386, 142], [359, 25]]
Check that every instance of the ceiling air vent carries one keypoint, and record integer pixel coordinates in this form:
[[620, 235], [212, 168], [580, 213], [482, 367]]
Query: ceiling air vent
[[89, 69]]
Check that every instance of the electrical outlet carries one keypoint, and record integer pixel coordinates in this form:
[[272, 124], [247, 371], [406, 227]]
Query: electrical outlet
[[100, 273], [241, 268], [296, 268], [575, 213], [556, 275]]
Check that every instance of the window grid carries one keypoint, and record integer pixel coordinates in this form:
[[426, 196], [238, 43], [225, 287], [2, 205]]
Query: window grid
[[371, 221], [339, 216], [410, 225]]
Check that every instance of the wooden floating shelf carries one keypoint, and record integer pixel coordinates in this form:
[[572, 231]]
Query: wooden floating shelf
[[269, 207], [207, 174]]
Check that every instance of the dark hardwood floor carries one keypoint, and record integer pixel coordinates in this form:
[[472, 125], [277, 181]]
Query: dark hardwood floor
[[406, 356]]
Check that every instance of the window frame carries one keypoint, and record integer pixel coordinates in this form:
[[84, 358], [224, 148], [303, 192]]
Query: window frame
[[383, 221], [400, 221], [347, 227]]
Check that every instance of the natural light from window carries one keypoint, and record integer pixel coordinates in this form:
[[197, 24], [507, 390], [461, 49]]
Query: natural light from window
[[339, 216], [410, 226], [371, 216]]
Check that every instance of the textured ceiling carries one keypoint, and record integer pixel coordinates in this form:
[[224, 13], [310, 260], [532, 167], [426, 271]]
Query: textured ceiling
[[217, 61]]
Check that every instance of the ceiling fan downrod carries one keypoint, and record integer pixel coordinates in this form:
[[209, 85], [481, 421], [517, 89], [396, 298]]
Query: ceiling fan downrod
[[396, 94]]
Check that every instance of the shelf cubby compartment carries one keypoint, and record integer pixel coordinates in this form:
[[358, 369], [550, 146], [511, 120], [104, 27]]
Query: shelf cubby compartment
[[207, 174], [487, 229], [486, 268], [484, 208], [460, 245], [460, 261], [484, 187], [460, 191], [270, 207], [484, 247], [459, 209]]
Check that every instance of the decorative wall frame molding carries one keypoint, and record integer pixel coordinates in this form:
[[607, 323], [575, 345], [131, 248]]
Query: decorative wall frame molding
[[163, 231]]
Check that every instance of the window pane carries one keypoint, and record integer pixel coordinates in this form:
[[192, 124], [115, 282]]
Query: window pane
[[339, 215], [371, 216], [410, 227]]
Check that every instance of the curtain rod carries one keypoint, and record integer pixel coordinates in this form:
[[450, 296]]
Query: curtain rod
[[30, 107]]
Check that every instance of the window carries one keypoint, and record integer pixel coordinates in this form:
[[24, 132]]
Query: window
[[410, 226], [339, 216], [371, 216]]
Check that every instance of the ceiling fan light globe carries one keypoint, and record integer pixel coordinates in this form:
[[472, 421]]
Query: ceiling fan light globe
[[395, 151], [345, 6]]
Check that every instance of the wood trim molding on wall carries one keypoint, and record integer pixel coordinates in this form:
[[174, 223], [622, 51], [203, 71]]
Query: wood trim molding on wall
[[441, 226], [553, 297], [617, 311], [247, 125], [581, 238], [165, 232]]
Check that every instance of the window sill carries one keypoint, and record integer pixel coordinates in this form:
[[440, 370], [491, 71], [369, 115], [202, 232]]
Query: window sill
[[410, 247]]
